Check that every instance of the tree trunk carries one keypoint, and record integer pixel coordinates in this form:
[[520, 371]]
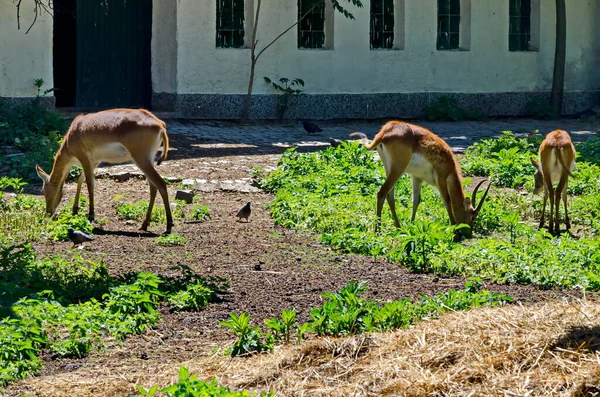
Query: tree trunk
[[558, 79], [248, 100]]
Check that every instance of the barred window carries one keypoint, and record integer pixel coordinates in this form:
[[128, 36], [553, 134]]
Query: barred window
[[382, 24], [230, 23], [311, 29], [448, 24], [519, 31]]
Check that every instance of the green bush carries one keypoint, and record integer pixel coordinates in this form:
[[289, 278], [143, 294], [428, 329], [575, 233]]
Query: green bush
[[33, 130], [447, 109]]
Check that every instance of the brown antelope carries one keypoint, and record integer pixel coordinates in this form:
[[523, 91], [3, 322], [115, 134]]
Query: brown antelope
[[112, 136], [407, 148], [557, 162]]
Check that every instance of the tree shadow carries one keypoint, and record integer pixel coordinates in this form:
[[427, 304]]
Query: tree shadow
[[580, 338]]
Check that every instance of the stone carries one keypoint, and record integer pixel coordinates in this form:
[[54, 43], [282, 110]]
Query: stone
[[185, 195], [120, 176]]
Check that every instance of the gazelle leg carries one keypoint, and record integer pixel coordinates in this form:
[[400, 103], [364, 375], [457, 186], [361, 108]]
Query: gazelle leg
[[564, 198], [80, 181], [88, 171], [544, 208], [550, 191], [557, 196], [384, 191], [153, 191], [416, 196], [158, 182], [392, 203]]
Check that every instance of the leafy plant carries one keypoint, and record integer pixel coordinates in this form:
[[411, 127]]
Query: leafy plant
[[195, 297], [250, 340], [189, 386], [200, 212], [281, 329], [289, 88]]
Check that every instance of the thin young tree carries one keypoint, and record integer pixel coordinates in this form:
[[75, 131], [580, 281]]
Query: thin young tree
[[255, 55], [558, 78]]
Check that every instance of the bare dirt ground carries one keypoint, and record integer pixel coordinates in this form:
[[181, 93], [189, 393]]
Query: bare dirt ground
[[294, 269]]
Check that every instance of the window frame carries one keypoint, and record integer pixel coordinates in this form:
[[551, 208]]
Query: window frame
[[301, 30], [237, 29], [520, 32], [452, 14]]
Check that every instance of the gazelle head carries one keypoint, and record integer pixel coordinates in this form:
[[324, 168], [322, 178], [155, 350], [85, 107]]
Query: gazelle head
[[53, 192], [470, 208], [538, 177]]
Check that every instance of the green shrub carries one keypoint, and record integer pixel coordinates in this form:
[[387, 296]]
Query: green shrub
[[33, 130], [447, 109]]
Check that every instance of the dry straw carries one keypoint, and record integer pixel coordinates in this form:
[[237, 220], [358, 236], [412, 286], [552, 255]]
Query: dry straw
[[549, 349]]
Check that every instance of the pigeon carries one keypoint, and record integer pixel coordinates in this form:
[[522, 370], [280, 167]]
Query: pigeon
[[78, 237], [335, 142], [244, 212], [310, 127]]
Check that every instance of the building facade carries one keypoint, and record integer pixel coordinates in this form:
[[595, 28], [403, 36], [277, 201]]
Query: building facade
[[395, 57]]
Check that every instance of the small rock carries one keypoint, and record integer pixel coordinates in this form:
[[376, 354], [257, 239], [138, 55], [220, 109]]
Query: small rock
[[185, 195], [172, 179], [188, 182], [71, 367], [129, 222], [120, 176]]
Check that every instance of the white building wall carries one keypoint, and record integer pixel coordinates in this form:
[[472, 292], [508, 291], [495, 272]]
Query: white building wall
[[24, 57], [351, 67]]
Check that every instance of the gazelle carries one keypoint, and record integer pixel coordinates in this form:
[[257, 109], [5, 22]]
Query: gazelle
[[407, 148], [557, 162], [112, 136]]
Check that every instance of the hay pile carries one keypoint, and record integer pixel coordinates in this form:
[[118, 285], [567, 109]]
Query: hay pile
[[546, 349]]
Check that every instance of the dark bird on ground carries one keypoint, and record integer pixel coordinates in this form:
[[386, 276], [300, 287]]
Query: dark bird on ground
[[245, 212], [335, 142], [310, 127], [78, 237]]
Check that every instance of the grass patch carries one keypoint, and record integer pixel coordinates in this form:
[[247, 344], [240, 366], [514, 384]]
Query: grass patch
[[333, 194], [67, 306]]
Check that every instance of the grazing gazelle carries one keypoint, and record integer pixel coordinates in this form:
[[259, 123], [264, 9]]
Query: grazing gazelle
[[557, 162], [112, 136], [407, 148]]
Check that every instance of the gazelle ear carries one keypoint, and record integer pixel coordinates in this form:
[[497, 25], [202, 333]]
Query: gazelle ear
[[467, 203], [45, 177], [535, 163]]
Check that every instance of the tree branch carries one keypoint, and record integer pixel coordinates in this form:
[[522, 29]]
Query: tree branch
[[285, 31]]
